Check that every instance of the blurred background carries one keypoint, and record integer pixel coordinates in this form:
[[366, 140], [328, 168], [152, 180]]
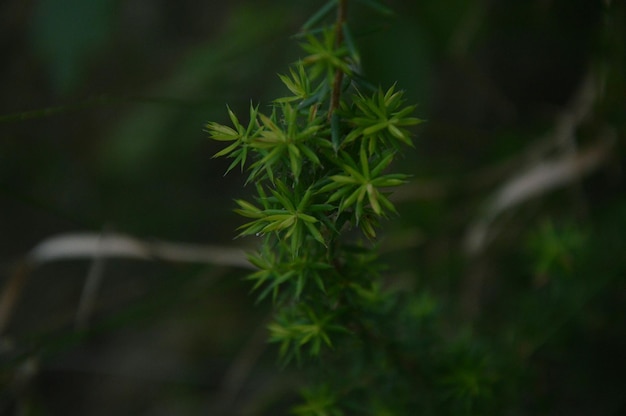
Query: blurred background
[[515, 219]]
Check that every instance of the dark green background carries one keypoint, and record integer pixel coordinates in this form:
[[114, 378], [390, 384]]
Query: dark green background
[[137, 80]]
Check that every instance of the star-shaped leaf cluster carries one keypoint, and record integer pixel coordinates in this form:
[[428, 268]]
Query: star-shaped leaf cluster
[[274, 271], [291, 215], [380, 120], [299, 326], [319, 401], [299, 84], [240, 136], [287, 138], [325, 57], [359, 185]]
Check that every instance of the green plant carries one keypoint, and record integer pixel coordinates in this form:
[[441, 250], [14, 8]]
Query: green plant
[[319, 160], [506, 293]]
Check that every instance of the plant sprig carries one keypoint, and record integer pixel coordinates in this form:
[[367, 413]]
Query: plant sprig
[[320, 160], [318, 174]]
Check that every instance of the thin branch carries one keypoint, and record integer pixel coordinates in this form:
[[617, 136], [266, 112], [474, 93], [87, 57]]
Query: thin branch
[[547, 174], [99, 246], [90, 291], [92, 102], [90, 245], [241, 367], [534, 182], [11, 293]]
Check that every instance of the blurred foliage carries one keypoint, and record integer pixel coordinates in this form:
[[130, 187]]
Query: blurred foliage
[[101, 122], [66, 33]]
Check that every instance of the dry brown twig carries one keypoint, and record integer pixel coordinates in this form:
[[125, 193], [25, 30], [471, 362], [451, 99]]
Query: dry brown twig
[[542, 176], [100, 246], [546, 174]]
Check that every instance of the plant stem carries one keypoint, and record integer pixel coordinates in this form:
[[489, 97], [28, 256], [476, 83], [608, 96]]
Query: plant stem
[[336, 92]]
